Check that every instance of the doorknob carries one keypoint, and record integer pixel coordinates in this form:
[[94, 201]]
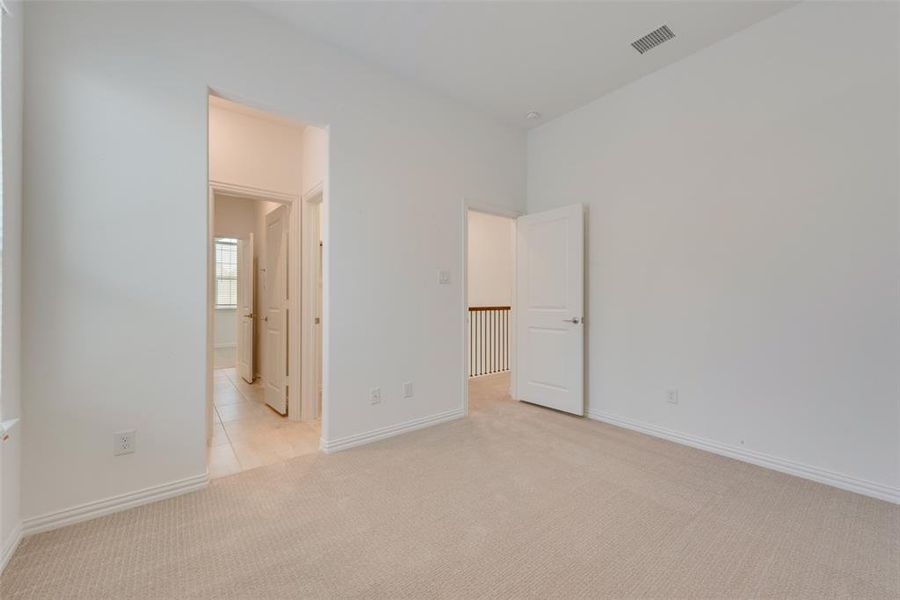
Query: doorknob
[[573, 320], [249, 316]]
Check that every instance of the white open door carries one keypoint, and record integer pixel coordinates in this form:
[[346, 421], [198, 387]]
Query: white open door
[[550, 305], [275, 310], [245, 309], [318, 317]]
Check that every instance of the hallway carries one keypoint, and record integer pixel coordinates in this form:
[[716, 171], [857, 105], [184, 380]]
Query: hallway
[[247, 433]]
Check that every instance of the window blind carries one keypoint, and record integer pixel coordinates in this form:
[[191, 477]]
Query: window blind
[[226, 272]]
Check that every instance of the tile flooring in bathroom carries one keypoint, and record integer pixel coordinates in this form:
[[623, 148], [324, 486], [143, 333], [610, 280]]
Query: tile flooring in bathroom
[[247, 433]]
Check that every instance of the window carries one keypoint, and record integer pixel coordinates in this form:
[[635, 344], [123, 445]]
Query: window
[[226, 273]]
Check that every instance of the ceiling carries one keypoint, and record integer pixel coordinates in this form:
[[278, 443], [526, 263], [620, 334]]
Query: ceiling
[[510, 58]]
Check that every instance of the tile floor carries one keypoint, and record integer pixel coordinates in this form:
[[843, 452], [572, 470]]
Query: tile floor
[[224, 357], [247, 433]]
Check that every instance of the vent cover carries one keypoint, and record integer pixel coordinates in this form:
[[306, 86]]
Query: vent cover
[[653, 39]]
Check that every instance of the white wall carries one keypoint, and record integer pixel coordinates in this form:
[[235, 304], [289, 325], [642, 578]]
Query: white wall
[[117, 105], [225, 335], [10, 361], [314, 158], [743, 210], [253, 152], [491, 260], [235, 217]]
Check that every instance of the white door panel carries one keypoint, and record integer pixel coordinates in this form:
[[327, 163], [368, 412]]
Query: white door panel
[[275, 313], [550, 305], [245, 316]]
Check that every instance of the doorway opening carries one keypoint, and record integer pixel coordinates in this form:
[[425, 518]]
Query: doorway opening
[[524, 290], [489, 296], [259, 411]]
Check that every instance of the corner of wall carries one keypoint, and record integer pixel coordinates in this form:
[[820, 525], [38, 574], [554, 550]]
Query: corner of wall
[[10, 361]]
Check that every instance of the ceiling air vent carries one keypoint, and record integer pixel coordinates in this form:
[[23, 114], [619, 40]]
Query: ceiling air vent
[[653, 39]]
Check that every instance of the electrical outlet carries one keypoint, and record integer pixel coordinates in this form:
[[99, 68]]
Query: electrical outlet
[[375, 395], [444, 277], [123, 442], [407, 389], [672, 396]]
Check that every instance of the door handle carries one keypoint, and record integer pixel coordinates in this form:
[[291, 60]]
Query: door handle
[[573, 320], [250, 316]]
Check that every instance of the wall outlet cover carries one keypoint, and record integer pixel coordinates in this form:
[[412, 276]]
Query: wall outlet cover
[[123, 442], [375, 395], [407, 389]]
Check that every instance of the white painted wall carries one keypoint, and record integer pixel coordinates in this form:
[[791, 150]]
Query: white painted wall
[[235, 217], [253, 152], [744, 244], [491, 260], [314, 157], [122, 128], [226, 328], [10, 359]]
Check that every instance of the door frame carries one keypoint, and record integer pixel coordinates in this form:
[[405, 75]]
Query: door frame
[[239, 312], [499, 211], [311, 378], [220, 189]]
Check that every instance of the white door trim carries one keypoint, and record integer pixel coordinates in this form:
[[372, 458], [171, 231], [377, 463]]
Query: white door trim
[[500, 211], [246, 309], [243, 191], [310, 376], [219, 189]]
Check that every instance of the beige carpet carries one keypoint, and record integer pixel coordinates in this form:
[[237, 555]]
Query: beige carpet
[[513, 502]]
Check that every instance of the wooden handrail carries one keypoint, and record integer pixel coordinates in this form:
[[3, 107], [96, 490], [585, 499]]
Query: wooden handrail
[[477, 308]]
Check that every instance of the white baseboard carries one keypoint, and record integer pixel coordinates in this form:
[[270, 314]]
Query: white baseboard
[[838, 480], [385, 432], [9, 546], [99, 508]]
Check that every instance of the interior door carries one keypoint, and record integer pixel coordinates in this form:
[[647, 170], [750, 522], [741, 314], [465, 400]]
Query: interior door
[[245, 309], [550, 306], [318, 315], [275, 316]]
